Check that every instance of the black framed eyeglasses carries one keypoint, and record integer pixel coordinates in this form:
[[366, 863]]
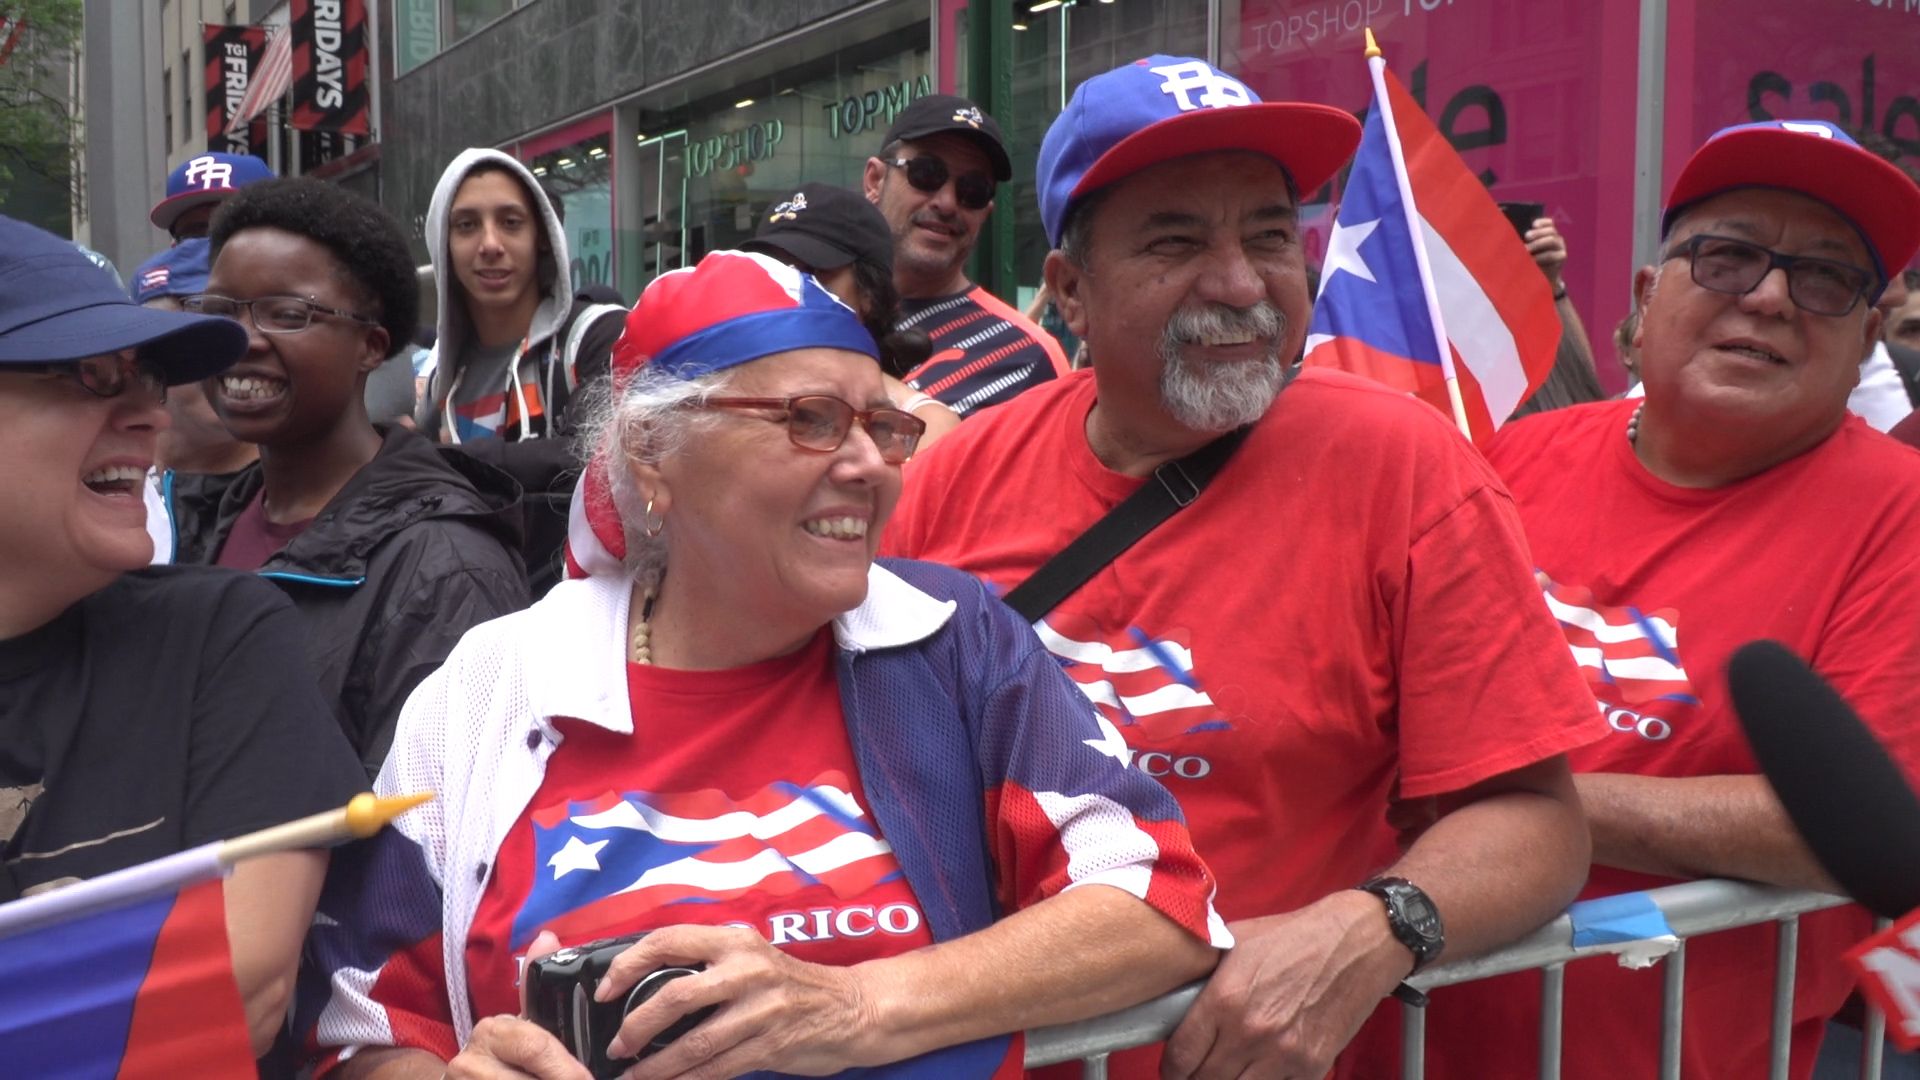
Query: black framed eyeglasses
[[102, 376], [929, 174], [271, 314], [821, 422], [1736, 267]]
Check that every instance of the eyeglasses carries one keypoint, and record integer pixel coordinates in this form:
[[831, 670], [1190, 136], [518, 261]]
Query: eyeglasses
[[1735, 267], [271, 314], [821, 422], [930, 174], [102, 376]]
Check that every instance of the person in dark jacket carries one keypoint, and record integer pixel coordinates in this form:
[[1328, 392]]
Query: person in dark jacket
[[389, 548]]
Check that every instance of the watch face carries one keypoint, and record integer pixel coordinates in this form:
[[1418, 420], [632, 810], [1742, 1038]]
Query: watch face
[[1419, 912]]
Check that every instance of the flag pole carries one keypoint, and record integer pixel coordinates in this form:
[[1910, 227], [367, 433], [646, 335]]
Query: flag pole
[[365, 815], [1377, 67], [359, 819]]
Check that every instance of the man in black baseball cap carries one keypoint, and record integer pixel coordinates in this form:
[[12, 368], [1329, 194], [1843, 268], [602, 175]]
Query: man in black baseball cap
[[934, 180]]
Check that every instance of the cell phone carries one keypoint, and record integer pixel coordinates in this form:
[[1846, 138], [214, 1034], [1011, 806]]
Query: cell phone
[[1522, 215]]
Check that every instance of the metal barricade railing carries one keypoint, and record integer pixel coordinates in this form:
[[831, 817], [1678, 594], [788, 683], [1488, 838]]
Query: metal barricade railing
[[1692, 909]]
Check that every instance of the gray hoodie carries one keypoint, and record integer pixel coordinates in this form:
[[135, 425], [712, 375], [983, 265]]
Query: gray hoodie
[[454, 329]]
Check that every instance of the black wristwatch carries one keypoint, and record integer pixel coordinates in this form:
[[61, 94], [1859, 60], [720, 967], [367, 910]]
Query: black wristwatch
[[1415, 923]]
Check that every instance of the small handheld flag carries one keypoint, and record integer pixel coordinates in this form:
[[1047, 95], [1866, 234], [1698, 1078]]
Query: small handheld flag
[[1424, 286], [129, 974]]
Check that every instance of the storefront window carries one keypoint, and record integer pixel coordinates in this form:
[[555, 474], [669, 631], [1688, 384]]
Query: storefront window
[[1852, 64], [578, 177], [1098, 37], [416, 33], [711, 167], [1537, 98], [466, 16]]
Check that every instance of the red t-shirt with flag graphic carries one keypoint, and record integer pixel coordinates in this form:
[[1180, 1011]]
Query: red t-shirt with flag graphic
[[736, 802], [1349, 603], [1655, 587]]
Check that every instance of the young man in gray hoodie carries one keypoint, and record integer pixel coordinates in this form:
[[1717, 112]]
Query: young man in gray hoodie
[[514, 346]]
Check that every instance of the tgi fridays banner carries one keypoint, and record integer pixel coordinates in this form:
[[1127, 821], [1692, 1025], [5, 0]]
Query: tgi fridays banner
[[330, 66], [233, 59]]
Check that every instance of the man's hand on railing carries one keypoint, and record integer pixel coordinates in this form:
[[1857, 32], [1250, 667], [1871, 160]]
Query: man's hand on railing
[[1291, 993]]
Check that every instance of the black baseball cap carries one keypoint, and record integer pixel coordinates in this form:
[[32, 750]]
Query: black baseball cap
[[825, 227], [936, 113]]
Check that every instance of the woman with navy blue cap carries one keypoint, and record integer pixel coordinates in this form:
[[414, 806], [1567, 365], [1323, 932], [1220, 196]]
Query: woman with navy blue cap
[[143, 710], [859, 798]]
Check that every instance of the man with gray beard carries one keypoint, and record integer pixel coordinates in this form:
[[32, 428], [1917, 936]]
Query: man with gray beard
[[1342, 627]]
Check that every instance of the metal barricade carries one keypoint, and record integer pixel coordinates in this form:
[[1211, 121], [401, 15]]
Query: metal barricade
[[1692, 909]]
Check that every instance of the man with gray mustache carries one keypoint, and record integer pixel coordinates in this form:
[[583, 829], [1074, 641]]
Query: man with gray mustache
[[1221, 397], [1302, 653]]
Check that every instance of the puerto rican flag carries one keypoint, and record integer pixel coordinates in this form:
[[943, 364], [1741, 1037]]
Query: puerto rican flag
[[1635, 653], [628, 853], [1138, 679], [1374, 315], [127, 975]]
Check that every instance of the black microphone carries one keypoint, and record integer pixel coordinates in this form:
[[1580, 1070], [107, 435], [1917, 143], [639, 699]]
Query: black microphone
[[1846, 796]]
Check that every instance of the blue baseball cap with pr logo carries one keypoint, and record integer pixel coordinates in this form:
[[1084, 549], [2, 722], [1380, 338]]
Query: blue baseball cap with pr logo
[[1164, 107]]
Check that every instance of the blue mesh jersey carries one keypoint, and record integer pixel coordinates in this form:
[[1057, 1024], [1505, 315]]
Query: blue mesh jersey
[[992, 778]]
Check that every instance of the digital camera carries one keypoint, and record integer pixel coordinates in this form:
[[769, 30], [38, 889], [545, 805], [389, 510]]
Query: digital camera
[[560, 990]]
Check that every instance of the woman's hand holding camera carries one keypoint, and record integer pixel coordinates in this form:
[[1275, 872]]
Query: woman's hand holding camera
[[508, 1047], [774, 1011]]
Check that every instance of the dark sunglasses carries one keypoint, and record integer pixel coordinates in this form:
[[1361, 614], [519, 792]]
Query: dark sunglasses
[[1736, 267], [930, 174], [821, 422], [102, 376]]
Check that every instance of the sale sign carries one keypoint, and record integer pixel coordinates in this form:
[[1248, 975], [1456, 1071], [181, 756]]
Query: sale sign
[[1541, 100]]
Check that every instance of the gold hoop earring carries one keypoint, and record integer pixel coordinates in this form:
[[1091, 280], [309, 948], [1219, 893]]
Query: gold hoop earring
[[651, 523]]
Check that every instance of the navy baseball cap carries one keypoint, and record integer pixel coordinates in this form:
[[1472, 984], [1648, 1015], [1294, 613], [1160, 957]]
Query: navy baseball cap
[[825, 227], [56, 305], [181, 270], [1816, 159], [206, 178], [1164, 107]]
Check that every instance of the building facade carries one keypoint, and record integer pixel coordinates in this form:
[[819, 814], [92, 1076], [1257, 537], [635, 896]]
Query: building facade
[[666, 127], [142, 92]]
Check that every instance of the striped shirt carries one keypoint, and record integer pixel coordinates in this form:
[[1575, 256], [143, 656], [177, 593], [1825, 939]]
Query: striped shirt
[[984, 352]]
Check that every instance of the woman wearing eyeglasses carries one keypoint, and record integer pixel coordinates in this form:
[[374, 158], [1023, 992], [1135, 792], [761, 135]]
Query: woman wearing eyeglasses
[[860, 798], [143, 710], [390, 549]]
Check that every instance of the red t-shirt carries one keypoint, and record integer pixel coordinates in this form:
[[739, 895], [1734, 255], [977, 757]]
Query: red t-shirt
[[1817, 553], [253, 539], [735, 802], [1348, 603]]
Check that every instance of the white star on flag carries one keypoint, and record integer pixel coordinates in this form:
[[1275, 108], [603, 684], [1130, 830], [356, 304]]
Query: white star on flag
[[1110, 742], [577, 855], [1343, 251]]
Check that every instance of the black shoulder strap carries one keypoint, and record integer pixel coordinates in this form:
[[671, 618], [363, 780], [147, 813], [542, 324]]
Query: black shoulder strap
[[1173, 486]]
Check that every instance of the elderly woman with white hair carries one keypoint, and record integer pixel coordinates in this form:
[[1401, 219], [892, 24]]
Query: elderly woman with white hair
[[859, 800]]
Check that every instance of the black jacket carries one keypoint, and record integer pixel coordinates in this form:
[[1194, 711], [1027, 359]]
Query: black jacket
[[421, 545], [543, 460]]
